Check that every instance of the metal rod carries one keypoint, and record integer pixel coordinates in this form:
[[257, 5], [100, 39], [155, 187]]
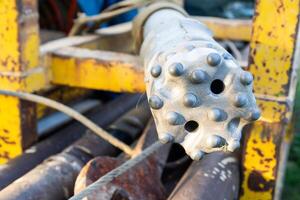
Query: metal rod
[[215, 177], [143, 181], [57, 119], [72, 113], [55, 177], [63, 138]]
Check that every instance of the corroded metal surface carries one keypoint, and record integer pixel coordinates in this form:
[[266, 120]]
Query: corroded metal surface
[[19, 43], [200, 97], [55, 177], [140, 182], [61, 139], [137, 183]]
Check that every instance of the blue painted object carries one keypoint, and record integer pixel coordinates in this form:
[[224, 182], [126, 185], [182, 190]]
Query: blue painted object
[[93, 7]]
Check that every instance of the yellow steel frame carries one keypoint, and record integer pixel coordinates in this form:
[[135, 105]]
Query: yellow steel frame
[[273, 61], [70, 62], [19, 43]]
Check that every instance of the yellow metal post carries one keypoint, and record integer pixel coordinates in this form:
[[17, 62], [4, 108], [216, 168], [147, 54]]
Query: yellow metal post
[[19, 47], [273, 61]]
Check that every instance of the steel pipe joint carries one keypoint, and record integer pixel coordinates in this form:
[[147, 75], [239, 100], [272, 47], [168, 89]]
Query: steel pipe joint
[[199, 95]]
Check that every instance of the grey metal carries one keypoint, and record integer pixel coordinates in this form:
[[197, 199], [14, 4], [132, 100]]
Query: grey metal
[[57, 119], [199, 95], [55, 143], [55, 177], [215, 178]]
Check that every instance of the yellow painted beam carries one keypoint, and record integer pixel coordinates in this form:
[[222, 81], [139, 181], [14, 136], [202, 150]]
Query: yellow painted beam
[[228, 29], [97, 70], [19, 47], [273, 61], [260, 161]]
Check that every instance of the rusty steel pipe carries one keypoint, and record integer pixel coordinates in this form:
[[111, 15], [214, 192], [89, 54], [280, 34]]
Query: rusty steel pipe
[[63, 138], [216, 177], [140, 182], [54, 179], [199, 95]]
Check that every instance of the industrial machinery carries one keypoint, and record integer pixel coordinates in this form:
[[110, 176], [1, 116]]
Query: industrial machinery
[[201, 91]]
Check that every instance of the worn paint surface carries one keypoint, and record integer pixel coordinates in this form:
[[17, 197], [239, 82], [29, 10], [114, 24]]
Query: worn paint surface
[[272, 55], [272, 45], [19, 42], [97, 70], [261, 160], [273, 111], [228, 29]]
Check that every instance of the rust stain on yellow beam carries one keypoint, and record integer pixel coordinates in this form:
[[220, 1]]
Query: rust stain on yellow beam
[[272, 46], [97, 70], [273, 111], [229, 29], [272, 54], [19, 43], [261, 161]]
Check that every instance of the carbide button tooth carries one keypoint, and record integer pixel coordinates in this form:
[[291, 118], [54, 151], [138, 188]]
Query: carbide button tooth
[[197, 155], [176, 69], [190, 100], [246, 78], [233, 145], [217, 115], [240, 100], [213, 59], [156, 71], [175, 118], [254, 115], [155, 102], [198, 76], [213, 141], [166, 138]]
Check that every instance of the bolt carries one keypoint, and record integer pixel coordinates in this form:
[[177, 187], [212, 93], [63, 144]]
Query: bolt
[[156, 71], [198, 76], [214, 59], [176, 69], [190, 100], [166, 138], [246, 78], [155, 102], [175, 118], [240, 100]]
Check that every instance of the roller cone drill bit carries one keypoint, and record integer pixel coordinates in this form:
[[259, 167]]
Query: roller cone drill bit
[[199, 95]]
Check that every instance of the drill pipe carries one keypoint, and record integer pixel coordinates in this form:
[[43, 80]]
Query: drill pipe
[[55, 178], [216, 177], [140, 182], [63, 138], [199, 95]]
